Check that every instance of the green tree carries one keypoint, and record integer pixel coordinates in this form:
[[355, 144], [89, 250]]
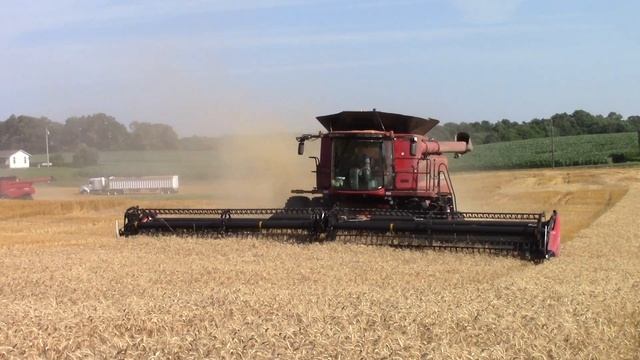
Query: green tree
[[614, 123], [587, 123], [147, 136], [634, 122], [100, 131], [565, 125], [28, 133]]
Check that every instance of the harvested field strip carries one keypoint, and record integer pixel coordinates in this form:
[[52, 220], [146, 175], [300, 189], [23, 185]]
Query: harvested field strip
[[580, 195]]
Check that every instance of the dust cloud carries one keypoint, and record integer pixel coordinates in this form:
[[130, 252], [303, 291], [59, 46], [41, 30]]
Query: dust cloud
[[256, 164], [261, 170]]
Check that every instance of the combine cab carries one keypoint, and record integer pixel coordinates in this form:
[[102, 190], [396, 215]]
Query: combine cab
[[379, 180]]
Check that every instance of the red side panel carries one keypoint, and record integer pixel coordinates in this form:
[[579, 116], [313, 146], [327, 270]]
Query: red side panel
[[323, 176], [422, 175], [406, 171], [16, 189], [554, 236]]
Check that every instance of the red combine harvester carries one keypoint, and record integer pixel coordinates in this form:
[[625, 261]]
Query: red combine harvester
[[13, 188], [379, 180]]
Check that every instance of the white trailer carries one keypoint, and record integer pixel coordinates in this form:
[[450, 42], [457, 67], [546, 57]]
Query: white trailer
[[131, 185]]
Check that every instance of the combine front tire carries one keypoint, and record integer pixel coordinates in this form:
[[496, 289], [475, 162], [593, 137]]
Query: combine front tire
[[317, 202], [298, 202]]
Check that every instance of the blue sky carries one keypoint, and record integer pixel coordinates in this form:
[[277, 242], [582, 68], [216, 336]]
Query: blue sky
[[217, 67]]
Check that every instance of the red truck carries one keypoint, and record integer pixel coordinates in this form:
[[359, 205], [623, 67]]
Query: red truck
[[12, 187]]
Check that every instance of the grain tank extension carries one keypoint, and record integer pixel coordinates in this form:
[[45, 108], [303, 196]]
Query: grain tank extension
[[379, 180]]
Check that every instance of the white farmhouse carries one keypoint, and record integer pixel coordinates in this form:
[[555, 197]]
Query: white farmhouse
[[15, 159]]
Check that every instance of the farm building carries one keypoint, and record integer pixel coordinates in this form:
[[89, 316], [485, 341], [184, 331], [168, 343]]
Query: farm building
[[15, 159]]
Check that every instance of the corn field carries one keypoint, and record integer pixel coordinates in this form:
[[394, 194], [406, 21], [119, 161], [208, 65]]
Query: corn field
[[536, 153]]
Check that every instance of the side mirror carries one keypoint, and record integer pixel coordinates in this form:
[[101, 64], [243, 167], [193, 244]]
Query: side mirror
[[413, 147], [301, 148]]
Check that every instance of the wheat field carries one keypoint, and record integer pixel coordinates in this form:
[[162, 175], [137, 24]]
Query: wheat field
[[70, 289]]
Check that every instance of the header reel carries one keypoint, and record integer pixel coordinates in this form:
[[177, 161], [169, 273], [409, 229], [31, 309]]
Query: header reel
[[525, 234]]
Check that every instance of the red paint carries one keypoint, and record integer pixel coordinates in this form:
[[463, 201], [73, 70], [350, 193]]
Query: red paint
[[406, 166], [14, 188], [554, 236], [323, 172], [422, 177]]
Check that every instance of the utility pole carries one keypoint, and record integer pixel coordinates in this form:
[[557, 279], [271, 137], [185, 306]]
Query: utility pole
[[553, 148], [46, 136]]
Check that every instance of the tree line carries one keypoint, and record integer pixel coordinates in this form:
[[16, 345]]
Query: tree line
[[579, 122], [97, 131], [103, 132]]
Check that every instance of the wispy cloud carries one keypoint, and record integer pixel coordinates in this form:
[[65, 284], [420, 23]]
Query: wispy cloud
[[329, 65], [487, 11], [17, 17], [370, 37]]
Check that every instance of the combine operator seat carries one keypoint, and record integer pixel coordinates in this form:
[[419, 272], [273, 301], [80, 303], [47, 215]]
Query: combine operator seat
[[360, 178], [358, 164]]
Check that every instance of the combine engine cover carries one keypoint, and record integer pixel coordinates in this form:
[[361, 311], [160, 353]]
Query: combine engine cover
[[379, 180]]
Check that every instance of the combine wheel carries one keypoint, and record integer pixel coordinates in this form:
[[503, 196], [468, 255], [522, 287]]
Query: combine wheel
[[415, 204], [316, 202], [298, 202], [26, 197]]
